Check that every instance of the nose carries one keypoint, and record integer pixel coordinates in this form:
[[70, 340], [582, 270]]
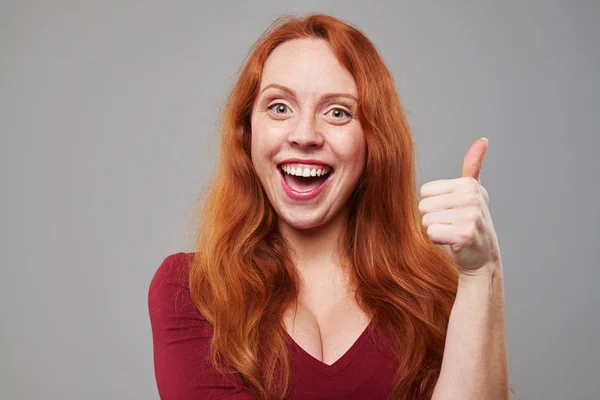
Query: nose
[[306, 134]]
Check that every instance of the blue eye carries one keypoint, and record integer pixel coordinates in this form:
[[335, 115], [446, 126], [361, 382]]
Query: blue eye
[[281, 107]]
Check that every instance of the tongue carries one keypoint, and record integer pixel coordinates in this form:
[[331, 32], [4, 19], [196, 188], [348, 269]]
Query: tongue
[[304, 184]]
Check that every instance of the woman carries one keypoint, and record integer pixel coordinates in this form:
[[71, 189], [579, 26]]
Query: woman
[[318, 273]]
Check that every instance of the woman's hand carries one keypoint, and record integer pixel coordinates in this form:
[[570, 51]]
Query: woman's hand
[[456, 212]]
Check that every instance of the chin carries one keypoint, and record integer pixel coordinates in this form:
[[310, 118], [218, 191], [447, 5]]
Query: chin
[[305, 224]]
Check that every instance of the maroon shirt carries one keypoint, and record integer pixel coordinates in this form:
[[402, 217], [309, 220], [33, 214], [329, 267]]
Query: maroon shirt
[[181, 337]]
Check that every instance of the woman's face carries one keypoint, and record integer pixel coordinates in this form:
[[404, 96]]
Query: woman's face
[[304, 123]]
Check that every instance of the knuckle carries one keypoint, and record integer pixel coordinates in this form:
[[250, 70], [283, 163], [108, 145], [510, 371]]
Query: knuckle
[[474, 215], [474, 200], [422, 206]]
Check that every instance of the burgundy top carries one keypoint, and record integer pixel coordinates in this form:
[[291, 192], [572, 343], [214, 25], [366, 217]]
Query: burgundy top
[[181, 337]]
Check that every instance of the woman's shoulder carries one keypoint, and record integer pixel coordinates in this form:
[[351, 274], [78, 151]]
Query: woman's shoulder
[[169, 285], [173, 270]]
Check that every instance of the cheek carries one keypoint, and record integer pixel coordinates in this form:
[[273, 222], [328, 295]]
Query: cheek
[[254, 145], [353, 147], [265, 140], [265, 145], [259, 157], [257, 139]]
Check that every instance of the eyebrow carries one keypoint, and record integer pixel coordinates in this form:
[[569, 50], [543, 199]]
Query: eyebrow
[[293, 93]]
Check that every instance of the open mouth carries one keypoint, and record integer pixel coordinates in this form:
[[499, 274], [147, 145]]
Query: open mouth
[[304, 183]]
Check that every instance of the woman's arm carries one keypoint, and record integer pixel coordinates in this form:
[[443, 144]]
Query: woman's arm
[[475, 364], [181, 339]]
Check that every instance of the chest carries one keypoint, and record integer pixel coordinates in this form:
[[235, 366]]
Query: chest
[[327, 325]]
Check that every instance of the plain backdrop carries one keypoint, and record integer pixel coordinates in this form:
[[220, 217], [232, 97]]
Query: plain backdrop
[[108, 122]]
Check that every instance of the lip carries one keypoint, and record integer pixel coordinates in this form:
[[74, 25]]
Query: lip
[[294, 195], [307, 162]]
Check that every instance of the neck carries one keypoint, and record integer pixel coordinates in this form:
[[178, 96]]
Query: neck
[[316, 249]]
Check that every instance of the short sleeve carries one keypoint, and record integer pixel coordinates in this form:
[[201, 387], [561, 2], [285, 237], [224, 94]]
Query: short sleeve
[[181, 339]]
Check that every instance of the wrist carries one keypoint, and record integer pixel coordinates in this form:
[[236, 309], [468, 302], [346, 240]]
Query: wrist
[[486, 273]]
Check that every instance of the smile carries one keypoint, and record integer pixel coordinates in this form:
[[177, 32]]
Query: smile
[[304, 182]]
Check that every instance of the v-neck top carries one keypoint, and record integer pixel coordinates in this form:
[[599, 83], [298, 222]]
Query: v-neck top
[[181, 340]]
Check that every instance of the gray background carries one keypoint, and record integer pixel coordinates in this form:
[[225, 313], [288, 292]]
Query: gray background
[[108, 113]]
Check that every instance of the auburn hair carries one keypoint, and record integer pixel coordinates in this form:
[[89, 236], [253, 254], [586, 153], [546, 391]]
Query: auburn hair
[[242, 277]]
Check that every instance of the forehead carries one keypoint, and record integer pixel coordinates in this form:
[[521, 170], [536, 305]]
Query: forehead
[[309, 67]]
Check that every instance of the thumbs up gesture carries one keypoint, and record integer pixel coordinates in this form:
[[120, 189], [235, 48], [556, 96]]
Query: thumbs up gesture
[[456, 212]]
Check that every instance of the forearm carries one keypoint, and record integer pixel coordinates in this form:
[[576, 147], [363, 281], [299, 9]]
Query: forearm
[[475, 364]]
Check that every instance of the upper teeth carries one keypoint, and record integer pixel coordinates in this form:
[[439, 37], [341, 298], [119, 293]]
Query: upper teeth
[[306, 171]]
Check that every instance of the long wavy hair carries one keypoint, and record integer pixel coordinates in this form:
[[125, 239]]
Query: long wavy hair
[[242, 277]]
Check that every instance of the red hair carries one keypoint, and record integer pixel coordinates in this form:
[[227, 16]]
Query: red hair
[[242, 277]]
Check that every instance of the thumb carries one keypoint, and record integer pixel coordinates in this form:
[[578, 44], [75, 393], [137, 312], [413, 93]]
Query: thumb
[[474, 158]]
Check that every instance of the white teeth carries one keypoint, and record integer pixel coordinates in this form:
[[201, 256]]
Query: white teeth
[[306, 172]]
